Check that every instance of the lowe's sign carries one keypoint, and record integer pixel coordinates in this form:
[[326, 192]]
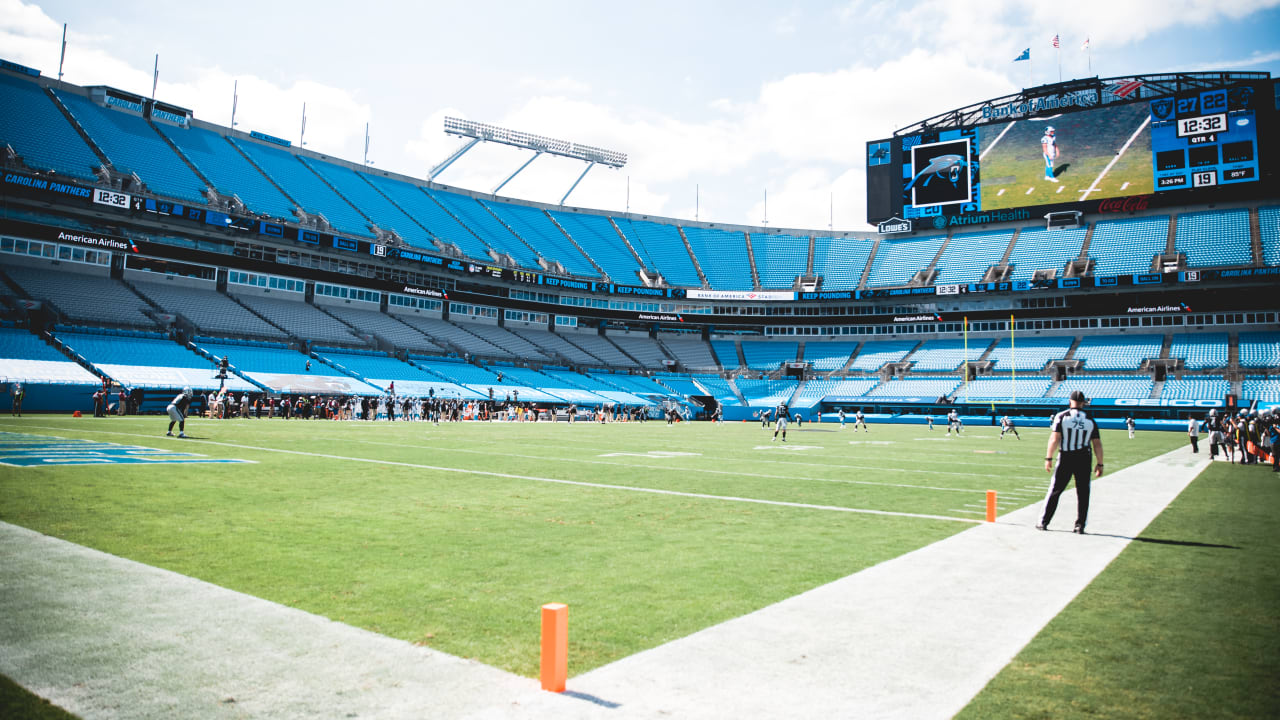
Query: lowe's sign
[[894, 225]]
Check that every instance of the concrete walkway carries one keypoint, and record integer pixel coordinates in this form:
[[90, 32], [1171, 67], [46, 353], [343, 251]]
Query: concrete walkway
[[914, 637]]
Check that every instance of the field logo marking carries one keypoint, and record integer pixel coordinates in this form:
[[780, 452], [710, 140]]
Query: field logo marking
[[23, 450]]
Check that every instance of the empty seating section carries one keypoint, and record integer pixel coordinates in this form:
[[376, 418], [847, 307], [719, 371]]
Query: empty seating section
[[769, 354], [1200, 351], [84, 298], [766, 392], [300, 319], [507, 340], [874, 355], [1117, 352], [946, 354], [537, 229], [384, 326], [723, 257], [20, 344], [210, 311], [662, 249], [426, 211], [780, 259], [598, 238], [896, 261], [600, 348], [1105, 387], [644, 349], [132, 349], [719, 389], [477, 217], [926, 388], [637, 384], [554, 345], [1260, 350], [263, 358], [1262, 389], [133, 146], [1269, 229], [1214, 238], [1004, 386], [229, 171], [815, 390], [1044, 249], [377, 368], [1121, 247], [827, 356], [446, 332], [1031, 353], [29, 359], [691, 352], [305, 187], [727, 352], [1212, 387], [841, 260], [967, 257], [34, 127], [356, 189], [679, 384]]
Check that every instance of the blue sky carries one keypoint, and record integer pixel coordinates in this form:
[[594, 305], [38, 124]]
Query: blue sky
[[716, 103]]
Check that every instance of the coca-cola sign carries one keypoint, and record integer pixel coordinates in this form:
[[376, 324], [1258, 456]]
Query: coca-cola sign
[[1128, 204]]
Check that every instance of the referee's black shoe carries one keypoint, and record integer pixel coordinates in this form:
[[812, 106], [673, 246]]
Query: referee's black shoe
[[1078, 529]]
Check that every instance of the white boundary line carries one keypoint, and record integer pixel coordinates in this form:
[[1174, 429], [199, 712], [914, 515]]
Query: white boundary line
[[999, 137], [579, 483], [1123, 148]]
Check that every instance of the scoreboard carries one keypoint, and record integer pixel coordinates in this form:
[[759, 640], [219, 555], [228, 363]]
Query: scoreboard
[[1089, 146], [1204, 140]]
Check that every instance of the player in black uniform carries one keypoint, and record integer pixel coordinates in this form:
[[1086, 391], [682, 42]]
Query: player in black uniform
[[781, 423], [1076, 434], [1007, 426], [178, 412]]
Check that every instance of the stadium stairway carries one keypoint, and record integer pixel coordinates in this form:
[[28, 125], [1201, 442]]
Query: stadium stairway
[[581, 249], [1157, 388], [843, 370], [696, 265], [292, 200], [623, 236], [751, 260], [1233, 354], [182, 156], [302, 342], [102, 157]]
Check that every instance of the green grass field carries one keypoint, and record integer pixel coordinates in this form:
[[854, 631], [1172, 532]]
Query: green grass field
[[452, 536]]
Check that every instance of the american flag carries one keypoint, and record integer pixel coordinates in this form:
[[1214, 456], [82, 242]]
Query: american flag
[[1055, 42]]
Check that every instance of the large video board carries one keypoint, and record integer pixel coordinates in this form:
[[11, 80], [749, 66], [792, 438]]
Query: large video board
[[1071, 153]]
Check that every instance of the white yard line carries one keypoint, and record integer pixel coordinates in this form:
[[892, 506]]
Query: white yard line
[[999, 137], [106, 637], [1123, 148]]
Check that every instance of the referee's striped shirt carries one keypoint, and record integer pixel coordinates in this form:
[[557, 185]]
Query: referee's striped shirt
[[1076, 428]]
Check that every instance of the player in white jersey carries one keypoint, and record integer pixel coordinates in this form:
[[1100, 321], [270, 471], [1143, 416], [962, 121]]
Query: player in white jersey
[[1049, 148], [953, 422], [860, 419], [841, 418], [1007, 426]]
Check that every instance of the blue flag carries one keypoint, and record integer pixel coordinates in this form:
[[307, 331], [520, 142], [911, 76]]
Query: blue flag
[[1026, 55]]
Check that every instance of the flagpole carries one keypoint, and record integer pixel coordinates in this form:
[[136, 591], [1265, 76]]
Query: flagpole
[[1059, 44]]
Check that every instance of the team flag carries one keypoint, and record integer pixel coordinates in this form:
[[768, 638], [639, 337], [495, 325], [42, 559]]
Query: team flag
[[1026, 55], [1055, 42], [1085, 46]]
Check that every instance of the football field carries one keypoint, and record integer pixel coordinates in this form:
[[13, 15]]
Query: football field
[[452, 536]]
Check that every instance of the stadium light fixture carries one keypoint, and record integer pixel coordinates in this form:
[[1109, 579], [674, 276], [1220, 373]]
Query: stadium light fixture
[[481, 132]]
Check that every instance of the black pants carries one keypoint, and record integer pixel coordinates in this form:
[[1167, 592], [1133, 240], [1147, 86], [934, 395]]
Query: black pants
[[1195, 443], [1070, 464]]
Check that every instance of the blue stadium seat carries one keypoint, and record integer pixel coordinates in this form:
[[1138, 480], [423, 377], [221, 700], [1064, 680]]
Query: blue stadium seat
[[1122, 247], [1215, 238], [723, 257], [536, 229], [769, 354], [840, 260], [355, 187], [662, 249], [1200, 351], [896, 261], [1260, 350], [1031, 353], [874, 355], [304, 186], [229, 171], [1209, 387], [967, 257], [34, 127], [1004, 386], [779, 259], [132, 145], [1117, 352], [1128, 387], [1269, 227], [1043, 249], [477, 217], [828, 355], [421, 207], [946, 354], [598, 238]]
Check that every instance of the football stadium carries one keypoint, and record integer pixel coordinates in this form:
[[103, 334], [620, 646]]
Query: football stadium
[[292, 436]]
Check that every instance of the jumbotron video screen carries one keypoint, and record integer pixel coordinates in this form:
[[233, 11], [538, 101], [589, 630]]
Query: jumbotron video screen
[[1163, 149]]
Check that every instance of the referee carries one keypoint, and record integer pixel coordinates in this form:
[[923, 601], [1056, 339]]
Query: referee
[[1073, 432]]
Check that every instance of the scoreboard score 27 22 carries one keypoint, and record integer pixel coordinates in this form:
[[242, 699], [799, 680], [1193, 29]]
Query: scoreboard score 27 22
[[1203, 140]]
